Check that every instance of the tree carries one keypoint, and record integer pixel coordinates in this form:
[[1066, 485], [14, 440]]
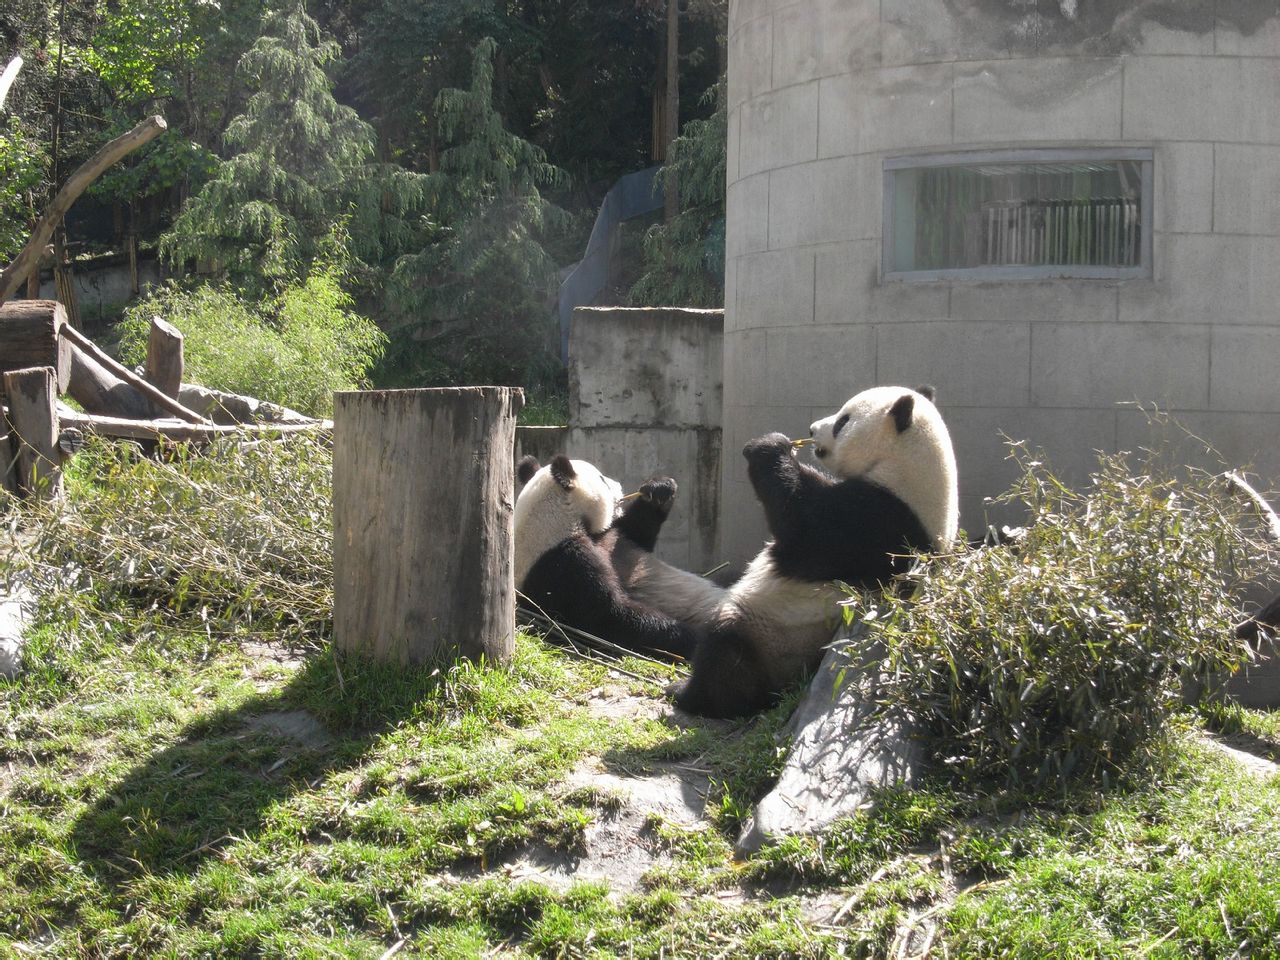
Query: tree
[[684, 259], [303, 163], [474, 303]]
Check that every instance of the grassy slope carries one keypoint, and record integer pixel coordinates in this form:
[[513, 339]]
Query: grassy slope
[[144, 814]]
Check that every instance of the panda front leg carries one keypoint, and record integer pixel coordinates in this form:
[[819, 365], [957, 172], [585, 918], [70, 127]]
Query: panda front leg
[[782, 484], [642, 519]]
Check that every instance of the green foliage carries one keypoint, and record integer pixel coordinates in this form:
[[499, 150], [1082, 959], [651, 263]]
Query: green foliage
[[294, 349], [684, 259], [474, 303], [140, 48], [22, 165], [302, 162], [1057, 658]]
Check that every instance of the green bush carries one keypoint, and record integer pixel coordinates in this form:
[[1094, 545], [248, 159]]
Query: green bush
[[294, 350], [1053, 659]]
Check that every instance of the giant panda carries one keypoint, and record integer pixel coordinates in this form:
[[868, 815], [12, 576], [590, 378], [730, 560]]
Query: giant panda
[[575, 553], [893, 493]]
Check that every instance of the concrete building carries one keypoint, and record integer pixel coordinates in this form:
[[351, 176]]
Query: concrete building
[[1050, 209]]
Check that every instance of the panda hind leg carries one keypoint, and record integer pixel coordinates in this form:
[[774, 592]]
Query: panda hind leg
[[726, 679]]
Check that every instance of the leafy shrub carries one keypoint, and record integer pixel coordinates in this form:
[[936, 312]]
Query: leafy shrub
[[293, 350], [237, 538], [1054, 659]]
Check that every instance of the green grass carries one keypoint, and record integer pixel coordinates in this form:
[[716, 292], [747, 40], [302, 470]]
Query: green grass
[[145, 814]]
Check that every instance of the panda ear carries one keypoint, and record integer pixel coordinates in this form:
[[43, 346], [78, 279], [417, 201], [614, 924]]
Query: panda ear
[[901, 411], [527, 467], [563, 472], [928, 391]]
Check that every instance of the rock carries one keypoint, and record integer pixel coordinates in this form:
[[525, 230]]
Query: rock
[[15, 614], [841, 752]]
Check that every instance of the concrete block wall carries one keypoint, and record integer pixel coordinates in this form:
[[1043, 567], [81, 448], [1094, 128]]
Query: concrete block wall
[[644, 400], [822, 91]]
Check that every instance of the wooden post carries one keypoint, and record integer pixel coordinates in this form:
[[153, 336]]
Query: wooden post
[[8, 455], [30, 336], [423, 501], [164, 357], [32, 394]]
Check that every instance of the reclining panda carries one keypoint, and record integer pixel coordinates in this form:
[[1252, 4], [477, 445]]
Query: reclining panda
[[893, 493], [577, 558]]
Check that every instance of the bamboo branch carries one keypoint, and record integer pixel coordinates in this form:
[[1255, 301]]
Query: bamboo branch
[[15, 273], [1268, 514]]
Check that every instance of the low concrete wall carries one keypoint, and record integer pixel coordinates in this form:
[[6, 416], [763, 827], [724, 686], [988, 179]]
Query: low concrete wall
[[645, 400]]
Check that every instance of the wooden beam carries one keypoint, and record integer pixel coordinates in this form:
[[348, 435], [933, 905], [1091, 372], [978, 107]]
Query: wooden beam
[[32, 394], [164, 357], [162, 401], [29, 256], [423, 494], [177, 430]]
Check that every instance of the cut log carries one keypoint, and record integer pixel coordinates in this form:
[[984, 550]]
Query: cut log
[[180, 430], [29, 256], [32, 395], [100, 391], [164, 357], [30, 336], [222, 407], [121, 372], [423, 494]]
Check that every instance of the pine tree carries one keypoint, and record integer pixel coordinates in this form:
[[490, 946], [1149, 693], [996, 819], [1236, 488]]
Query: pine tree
[[475, 302], [302, 167]]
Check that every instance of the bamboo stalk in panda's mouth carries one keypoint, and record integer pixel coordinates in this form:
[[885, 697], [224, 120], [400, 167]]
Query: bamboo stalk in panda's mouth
[[629, 496], [802, 442]]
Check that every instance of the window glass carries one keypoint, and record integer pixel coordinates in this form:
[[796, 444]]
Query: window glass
[[1066, 216]]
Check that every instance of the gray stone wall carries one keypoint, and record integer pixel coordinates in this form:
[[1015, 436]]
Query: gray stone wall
[[645, 399], [822, 91]]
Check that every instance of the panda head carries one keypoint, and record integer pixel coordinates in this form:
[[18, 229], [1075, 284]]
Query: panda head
[[563, 498], [895, 437]]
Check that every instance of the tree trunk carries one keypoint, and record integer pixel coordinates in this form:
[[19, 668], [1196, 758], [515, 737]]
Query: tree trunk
[[164, 357], [100, 391], [15, 273], [30, 336], [423, 497], [31, 395], [671, 199], [64, 279]]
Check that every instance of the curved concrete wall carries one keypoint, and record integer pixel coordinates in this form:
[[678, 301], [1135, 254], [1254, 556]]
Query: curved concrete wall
[[822, 91]]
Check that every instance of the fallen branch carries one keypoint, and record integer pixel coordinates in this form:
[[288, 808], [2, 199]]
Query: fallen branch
[[171, 429], [15, 273], [6, 79]]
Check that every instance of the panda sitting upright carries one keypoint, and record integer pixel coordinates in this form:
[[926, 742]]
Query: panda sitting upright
[[894, 493], [573, 556]]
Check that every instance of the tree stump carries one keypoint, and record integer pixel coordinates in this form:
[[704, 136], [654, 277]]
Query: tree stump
[[423, 504], [164, 357], [32, 394], [30, 337]]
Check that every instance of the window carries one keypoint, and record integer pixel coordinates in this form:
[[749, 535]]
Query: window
[[1021, 214]]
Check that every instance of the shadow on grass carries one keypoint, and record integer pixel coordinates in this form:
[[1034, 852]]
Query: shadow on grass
[[182, 805]]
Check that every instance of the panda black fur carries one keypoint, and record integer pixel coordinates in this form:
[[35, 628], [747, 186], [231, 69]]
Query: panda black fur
[[894, 492], [574, 557]]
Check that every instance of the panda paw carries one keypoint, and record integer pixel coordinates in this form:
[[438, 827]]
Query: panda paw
[[769, 448], [660, 491]]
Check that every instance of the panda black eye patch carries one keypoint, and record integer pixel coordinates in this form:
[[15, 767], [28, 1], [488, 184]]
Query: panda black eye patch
[[840, 424]]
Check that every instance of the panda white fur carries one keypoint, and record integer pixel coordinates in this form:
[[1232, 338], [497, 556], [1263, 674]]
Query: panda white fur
[[894, 492], [576, 554]]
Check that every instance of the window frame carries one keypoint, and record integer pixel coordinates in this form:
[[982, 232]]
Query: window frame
[[1143, 271]]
